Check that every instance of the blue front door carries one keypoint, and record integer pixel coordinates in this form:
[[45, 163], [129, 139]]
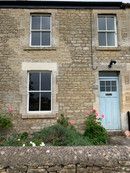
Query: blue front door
[[109, 102]]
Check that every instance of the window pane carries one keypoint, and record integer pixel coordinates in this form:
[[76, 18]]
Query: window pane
[[114, 88], [46, 101], [45, 81], [46, 22], [33, 101], [45, 38], [102, 39], [107, 83], [110, 23], [35, 38], [108, 86], [35, 22], [102, 85], [33, 81], [101, 23], [111, 39]]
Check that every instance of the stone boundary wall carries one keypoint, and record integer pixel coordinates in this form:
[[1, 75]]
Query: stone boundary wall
[[97, 159]]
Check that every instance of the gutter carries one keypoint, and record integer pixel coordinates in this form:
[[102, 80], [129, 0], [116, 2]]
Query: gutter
[[61, 4]]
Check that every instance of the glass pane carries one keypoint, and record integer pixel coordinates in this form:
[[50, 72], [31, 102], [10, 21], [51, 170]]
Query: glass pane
[[108, 73], [108, 86], [46, 22], [33, 101], [113, 83], [110, 23], [114, 88], [35, 22], [46, 101], [35, 38], [101, 23], [45, 81], [33, 81], [45, 38], [102, 85], [102, 89], [102, 39], [107, 83], [111, 39]]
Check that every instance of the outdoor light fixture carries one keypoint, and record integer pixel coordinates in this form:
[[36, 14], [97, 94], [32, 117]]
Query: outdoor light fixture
[[111, 63]]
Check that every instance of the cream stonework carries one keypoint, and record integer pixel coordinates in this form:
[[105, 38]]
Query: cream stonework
[[74, 58]]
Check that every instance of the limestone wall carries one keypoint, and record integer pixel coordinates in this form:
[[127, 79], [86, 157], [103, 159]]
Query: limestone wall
[[77, 60], [104, 159]]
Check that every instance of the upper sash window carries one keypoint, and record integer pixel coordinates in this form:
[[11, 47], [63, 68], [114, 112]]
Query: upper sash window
[[41, 30]]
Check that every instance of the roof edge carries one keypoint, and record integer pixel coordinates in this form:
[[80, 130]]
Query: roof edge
[[61, 4]]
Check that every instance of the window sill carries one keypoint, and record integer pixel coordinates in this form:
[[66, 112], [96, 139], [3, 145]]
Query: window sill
[[108, 48], [39, 116], [39, 48]]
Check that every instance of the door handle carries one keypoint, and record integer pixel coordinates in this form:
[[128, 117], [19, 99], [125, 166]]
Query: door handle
[[108, 94]]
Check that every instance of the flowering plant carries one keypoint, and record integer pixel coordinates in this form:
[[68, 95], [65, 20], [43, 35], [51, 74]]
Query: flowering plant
[[94, 130], [95, 115]]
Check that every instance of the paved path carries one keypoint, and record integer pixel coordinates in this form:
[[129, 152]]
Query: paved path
[[119, 140]]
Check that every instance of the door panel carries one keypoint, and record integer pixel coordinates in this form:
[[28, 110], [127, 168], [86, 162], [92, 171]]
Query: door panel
[[109, 102]]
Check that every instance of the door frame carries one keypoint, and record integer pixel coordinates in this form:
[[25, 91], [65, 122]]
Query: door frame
[[118, 92]]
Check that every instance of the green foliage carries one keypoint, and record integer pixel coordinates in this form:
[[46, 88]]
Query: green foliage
[[23, 136], [63, 133], [58, 135], [94, 130], [5, 122], [17, 140], [12, 141], [62, 120]]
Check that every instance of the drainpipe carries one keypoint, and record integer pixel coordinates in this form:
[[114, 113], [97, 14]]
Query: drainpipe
[[128, 114], [91, 46]]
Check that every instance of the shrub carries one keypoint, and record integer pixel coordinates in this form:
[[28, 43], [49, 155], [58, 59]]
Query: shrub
[[5, 120], [58, 135], [53, 135], [63, 133], [94, 130]]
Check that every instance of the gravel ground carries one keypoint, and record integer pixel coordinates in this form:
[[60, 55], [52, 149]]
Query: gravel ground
[[119, 140]]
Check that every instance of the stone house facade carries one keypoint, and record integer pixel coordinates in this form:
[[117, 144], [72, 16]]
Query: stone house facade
[[65, 57]]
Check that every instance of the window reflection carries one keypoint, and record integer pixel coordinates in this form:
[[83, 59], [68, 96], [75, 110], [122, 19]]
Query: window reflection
[[39, 91]]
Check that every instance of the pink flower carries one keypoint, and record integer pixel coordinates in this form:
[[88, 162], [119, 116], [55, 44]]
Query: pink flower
[[94, 110], [127, 133], [103, 116], [72, 122], [97, 115], [10, 109]]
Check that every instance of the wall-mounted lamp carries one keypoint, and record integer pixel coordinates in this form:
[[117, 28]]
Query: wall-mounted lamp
[[111, 63]]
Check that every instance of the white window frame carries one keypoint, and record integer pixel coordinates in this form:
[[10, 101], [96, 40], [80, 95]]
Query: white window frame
[[39, 91], [38, 66], [41, 30], [108, 31]]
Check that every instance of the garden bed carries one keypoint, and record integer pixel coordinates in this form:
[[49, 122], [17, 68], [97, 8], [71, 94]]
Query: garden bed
[[63, 133]]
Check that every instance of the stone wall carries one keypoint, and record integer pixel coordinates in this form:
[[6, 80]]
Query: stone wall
[[104, 159], [70, 52], [75, 53]]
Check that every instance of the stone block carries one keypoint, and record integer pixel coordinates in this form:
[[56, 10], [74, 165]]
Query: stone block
[[36, 171], [65, 170]]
